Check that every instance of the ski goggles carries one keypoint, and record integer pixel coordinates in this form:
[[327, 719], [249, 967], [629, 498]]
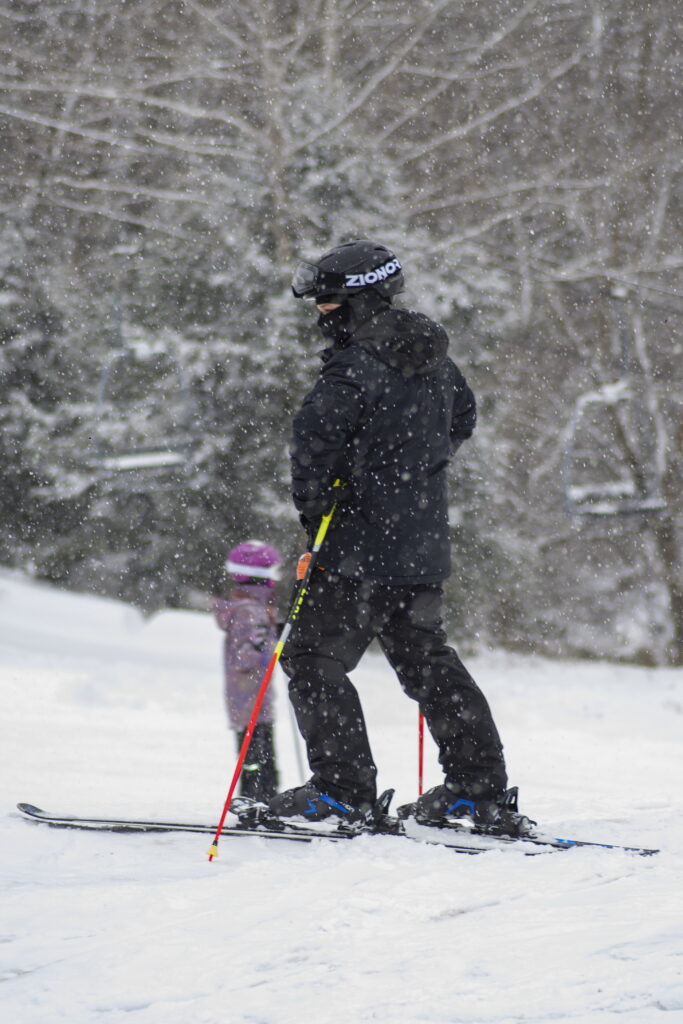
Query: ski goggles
[[309, 281], [257, 572]]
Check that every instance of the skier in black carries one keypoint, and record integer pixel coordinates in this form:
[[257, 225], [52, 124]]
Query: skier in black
[[385, 416]]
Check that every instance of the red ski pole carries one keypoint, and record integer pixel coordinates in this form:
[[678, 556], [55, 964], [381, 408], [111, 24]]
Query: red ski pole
[[420, 752], [286, 630]]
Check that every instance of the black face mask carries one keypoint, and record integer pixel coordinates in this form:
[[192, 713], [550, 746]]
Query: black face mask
[[341, 323], [337, 325]]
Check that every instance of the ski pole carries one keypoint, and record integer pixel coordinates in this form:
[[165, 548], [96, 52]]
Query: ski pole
[[420, 752], [286, 630]]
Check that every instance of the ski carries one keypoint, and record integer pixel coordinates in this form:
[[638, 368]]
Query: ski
[[460, 839], [481, 841], [142, 825]]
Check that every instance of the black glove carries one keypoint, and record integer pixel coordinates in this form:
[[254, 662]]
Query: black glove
[[312, 511], [340, 493]]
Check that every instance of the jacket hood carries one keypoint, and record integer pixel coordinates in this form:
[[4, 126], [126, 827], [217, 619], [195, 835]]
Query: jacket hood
[[407, 341]]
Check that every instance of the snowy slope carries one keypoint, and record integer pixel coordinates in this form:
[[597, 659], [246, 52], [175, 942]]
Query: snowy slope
[[106, 712]]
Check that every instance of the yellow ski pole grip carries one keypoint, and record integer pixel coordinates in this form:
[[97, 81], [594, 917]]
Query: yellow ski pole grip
[[324, 523]]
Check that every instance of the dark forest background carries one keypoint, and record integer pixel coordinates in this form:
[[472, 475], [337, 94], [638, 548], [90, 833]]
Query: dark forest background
[[162, 166]]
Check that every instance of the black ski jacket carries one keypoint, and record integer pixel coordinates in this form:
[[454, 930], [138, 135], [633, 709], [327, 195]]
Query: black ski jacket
[[385, 416]]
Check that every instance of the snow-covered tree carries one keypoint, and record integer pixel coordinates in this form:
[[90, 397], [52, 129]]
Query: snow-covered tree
[[163, 164]]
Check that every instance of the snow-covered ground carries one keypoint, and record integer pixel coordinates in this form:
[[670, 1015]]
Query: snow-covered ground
[[104, 712]]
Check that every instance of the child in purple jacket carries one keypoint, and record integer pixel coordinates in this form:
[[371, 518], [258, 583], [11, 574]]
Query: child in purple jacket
[[248, 617]]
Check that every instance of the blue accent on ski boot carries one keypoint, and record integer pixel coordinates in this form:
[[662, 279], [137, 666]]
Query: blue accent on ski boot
[[464, 806], [309, 802], [498, 816]]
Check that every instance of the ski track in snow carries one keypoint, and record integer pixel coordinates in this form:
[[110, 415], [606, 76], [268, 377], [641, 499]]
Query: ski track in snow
[[106, 713]]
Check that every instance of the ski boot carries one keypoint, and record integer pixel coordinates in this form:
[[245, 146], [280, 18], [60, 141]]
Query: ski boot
[[311, 804], [441, 807]]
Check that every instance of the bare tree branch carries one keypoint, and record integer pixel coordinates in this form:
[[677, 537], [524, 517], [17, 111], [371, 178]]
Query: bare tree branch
[[86, 133], [486, 119], [133, 191], [586, 268], [374, 83], [126, 95], [505, 191], [120, 217], [483, 226], [237, 41]]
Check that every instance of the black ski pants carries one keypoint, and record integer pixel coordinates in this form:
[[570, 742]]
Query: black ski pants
[[338, 620]]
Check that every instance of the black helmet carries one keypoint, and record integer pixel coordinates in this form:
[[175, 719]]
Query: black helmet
[[349, 269]]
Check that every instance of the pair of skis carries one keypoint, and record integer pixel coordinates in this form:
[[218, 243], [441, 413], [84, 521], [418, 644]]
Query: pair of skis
[[455, 837]]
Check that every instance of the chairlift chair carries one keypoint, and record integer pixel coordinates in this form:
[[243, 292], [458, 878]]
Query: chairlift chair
[[143, 438], [609, 462]]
